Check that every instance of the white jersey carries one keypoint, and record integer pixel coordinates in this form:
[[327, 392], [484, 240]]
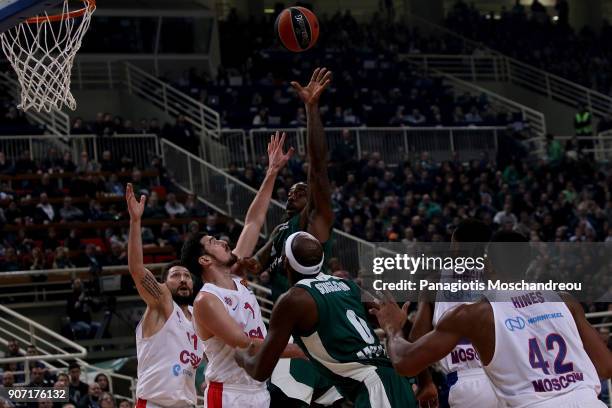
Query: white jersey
[[464, 355], [242, 306], [539, 359], [167, 362]]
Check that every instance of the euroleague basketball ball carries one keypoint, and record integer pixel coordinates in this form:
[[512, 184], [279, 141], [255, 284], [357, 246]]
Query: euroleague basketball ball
[[297, 28]]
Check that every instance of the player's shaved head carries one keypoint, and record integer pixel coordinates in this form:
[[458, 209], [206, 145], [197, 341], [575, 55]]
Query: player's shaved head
[[307, 250]]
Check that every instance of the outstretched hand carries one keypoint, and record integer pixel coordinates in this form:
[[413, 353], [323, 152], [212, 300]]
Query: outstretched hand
[[389, 315], [135, 207], [276, 157], [310, 94]]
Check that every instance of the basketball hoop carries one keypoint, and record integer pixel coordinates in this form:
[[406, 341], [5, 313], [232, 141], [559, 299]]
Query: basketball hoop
[[41, 50]]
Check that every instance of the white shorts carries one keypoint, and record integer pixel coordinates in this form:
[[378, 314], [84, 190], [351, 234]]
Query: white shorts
[[472, 389], [580, 398], [220, 395]]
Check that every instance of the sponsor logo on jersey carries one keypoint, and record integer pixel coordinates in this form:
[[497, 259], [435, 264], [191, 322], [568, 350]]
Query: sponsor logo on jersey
[[557, 383], [517, 323], [544, 317], [247, 306], [187, 357], [228, 301], [463, 355], [255, 333]]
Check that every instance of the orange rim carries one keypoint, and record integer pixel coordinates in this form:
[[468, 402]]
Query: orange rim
[[90, 6]]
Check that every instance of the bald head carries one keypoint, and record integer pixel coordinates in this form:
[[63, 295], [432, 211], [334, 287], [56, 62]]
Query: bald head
[[303, 256], [307, 250]]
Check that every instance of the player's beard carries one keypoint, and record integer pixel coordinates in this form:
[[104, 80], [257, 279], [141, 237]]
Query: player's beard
[[182, 300], [233, 259]]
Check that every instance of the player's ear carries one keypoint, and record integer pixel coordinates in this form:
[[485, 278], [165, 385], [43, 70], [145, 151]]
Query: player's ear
[[204, 260]]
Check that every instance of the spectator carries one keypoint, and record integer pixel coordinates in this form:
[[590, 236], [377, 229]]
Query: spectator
[[505, 216], [69, 212], [113, 185], [193, 207], [107, 163], [61, 259], [153, 209], [416, 118], [117, 256], [77, 389], [85, 165], [125, 404], [102, 380], [107, 400], [37, 377], [173, 207], [45, 211], [79, 311], [91, 399]]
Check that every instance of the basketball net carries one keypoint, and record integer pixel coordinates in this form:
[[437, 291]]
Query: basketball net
[[41, 50]]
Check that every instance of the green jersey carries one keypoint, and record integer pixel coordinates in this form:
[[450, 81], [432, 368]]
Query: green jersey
[[278, 277], [344, 348]]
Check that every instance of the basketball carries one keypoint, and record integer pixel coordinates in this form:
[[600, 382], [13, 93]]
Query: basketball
[[297, 28]]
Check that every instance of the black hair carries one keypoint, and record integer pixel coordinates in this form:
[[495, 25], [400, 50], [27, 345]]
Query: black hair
[[510, 254], [167, 268], [190, 253]]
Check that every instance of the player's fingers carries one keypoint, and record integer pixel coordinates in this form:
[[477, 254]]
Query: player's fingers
[[326, 77], [315, 74], [321, 74], [405, 307], [282, 139], [388, 297], [143, 199], [290, 153], [297, 86]]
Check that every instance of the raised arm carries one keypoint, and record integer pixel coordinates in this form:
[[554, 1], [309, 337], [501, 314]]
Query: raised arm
[[410, 359], [287, 310], [427, 392], [597, 350], [319, 212], [154, 294], [256, 215]]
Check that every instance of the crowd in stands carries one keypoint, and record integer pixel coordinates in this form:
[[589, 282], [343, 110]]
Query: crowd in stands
[[96, 394], [253, 89], [530, 34]]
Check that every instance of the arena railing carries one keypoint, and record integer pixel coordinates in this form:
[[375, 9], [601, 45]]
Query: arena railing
[[232, 197], [171, 100], [601, 149], [478, 67], [395, 144], [55, 121], [55, 352], [139, 147], [534, 118]]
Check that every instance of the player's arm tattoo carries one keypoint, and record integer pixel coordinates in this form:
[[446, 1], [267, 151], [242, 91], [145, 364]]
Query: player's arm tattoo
[[150, 284]]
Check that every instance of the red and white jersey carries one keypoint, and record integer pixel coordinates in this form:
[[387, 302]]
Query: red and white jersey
[[167, 362], [539, 359], [464, 356], [242, 306]]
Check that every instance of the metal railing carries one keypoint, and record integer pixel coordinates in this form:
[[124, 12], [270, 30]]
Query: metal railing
[[54, 351], [534, 118], [138, 82], [504, 68], [395, 144], [232, 197], [55, 121], [138, 147], [601, 145]]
